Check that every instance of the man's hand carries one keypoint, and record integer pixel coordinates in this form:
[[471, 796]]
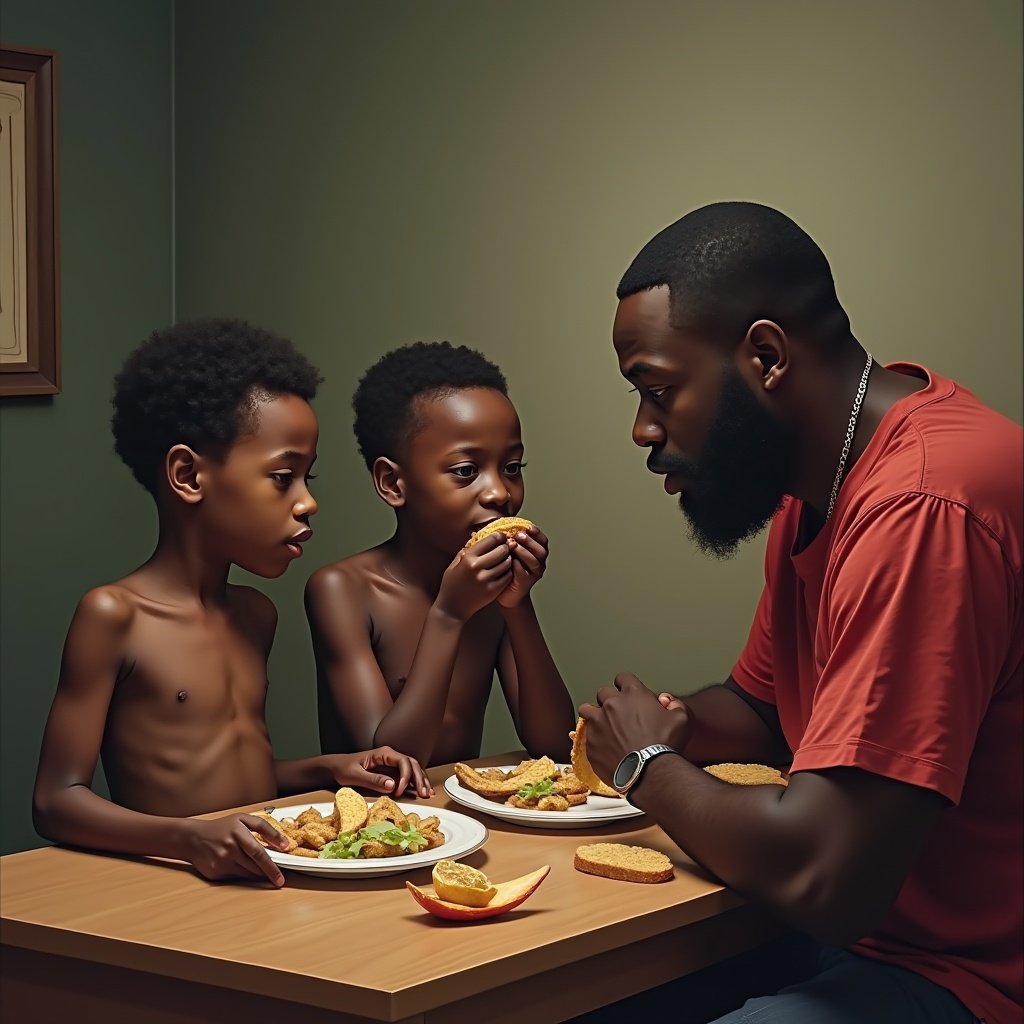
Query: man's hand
[[475, 578], [667, 700], [225, 848], [628, 716], [381, 769], [529, 559]]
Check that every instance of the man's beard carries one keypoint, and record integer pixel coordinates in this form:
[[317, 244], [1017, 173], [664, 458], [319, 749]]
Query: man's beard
[[746, 469]]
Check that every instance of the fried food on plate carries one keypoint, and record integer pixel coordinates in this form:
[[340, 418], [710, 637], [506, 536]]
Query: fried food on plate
[[355, 829], [290, 848], [350, 811], [385, 809], [525, 774]]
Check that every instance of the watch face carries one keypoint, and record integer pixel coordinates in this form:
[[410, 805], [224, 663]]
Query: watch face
[[626, 769]]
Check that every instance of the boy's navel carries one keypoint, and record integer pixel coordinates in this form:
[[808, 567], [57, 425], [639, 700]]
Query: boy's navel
[[182, 695]]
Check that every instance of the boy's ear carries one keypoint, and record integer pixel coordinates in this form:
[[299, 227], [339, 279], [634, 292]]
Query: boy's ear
[[387, 478], [182, 466]]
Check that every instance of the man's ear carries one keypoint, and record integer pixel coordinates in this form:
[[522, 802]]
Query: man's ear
[[766, 353], [183, 469], [388, 479]]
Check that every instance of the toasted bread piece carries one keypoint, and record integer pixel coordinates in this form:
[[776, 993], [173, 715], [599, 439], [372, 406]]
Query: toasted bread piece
[[747, 774], [626, 863], [581, 766], [526, 774], [350, 811], [508, 525]]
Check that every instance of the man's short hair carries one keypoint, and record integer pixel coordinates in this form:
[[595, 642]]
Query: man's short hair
[[728, 265], [384, 402], [200, 383]]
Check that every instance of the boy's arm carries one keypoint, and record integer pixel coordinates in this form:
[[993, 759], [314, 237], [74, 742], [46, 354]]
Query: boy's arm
[[346, 662], [347, 665], [397, 772], [65, 808], [541, 708]]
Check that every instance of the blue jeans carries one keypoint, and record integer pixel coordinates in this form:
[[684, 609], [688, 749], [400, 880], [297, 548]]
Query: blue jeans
[[792, 981], [851, 989]]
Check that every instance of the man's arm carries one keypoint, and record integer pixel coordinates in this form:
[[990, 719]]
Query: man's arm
[[64, 807], [728, 724], [828, 853]]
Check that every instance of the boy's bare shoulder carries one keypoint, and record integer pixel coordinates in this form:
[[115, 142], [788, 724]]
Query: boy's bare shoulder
[[111, 605], [347, 577]]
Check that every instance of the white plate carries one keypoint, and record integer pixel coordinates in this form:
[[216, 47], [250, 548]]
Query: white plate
[[598, 810], [463, 835]]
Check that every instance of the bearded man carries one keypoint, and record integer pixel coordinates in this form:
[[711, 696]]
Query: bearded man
[[884, 664]]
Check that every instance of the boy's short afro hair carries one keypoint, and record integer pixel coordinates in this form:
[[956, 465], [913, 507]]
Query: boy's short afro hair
[[383, 401], [199, 383]]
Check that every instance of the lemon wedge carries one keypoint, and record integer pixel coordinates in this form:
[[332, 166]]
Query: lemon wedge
[[459, 883]]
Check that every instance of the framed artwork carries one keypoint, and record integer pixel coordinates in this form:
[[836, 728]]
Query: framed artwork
[[29, 264]]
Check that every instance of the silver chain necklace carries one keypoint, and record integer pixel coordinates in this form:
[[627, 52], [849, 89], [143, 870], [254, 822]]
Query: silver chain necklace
[[851, 427]]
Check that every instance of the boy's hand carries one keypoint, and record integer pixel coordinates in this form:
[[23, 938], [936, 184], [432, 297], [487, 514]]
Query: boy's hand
[[475, 578], [381, 769], [529, 560], [225, 848]]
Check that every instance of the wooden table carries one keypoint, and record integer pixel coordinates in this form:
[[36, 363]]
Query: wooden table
[[99, 937]]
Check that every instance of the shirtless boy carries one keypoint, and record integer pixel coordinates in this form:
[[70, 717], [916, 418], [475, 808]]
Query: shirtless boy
[[165, 671], [408, 634]]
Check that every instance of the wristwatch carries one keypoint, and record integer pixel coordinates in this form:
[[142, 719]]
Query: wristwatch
[[631, 767]]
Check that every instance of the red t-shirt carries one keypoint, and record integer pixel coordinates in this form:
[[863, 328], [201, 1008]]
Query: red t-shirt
[[894, 642]]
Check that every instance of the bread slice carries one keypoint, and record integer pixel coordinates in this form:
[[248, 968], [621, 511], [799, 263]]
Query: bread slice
[[626, 863], [747, 774], [581, 766], [508, 525]]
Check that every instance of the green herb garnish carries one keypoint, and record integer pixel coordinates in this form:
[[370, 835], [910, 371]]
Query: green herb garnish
[[536, 790], [348, 845]]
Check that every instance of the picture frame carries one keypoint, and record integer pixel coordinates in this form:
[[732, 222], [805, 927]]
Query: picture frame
[[29, 241]]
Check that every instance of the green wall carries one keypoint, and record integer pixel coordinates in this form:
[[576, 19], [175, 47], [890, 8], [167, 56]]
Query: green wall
[[360, 176], [71, 517]]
